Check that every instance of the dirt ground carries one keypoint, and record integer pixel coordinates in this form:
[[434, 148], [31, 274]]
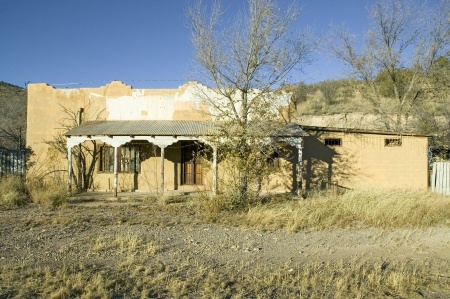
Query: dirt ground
[[83, 232]]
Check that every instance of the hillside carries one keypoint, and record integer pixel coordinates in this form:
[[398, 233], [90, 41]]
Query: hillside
[[13, 116], [341, 103]]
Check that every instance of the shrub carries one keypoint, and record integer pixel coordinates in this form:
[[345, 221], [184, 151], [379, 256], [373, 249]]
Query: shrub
[[51, 193], [13, 192]]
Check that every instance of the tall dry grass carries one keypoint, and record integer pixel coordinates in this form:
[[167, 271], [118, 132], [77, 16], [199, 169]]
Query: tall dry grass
[[148, 268], [13, 192], [49, 193], [154, 278], [353, 209]]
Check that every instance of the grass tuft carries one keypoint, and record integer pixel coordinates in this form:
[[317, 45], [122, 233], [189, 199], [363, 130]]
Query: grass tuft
[[49, 193], [387, 209], [13, 192], [339, 279]]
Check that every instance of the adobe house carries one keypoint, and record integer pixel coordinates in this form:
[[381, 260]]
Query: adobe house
[[355, 158], [147, 139]]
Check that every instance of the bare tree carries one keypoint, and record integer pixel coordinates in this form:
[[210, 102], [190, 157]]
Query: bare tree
[[433, 116], [394, 62], [85, 155], [244, 62]]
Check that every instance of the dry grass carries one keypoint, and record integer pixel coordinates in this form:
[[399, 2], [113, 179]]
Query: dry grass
[[147, 278], [50, 193], [145, 267], [387, 209], [13, 192]]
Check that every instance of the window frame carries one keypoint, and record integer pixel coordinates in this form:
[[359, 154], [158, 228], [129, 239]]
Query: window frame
[[128, 159], [392, 142], [333, 141]]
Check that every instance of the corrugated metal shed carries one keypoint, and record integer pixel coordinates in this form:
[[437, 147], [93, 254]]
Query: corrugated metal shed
[[174, 128]]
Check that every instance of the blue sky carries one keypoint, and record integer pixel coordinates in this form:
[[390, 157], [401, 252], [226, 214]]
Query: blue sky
[[144, 43]]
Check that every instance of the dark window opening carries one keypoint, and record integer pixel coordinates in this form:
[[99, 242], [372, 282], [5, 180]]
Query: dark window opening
[[392, 142], [274, 160], [191, 164], [127, 159], [333, 141]]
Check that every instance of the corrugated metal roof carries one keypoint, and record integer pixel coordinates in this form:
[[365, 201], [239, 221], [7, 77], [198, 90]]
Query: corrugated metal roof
[[143, 128], [171, 128], [361, 131], [291, 130]]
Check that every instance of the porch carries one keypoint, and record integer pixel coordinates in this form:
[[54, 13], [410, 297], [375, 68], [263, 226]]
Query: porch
[[170, 137]]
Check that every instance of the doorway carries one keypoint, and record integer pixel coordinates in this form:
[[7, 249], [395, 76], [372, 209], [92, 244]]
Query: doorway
[[191, 166]]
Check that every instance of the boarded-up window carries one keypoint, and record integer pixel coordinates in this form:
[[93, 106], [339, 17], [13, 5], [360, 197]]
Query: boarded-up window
[[333, 141], [392, 142]]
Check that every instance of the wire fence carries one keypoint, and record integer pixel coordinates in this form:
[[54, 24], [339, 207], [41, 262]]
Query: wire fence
[[12, 162]]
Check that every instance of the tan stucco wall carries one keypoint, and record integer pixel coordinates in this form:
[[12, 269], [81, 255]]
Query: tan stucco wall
[[117, 101], [114, 101], [363, 161]]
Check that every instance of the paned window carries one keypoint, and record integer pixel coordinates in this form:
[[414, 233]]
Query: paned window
[[333, 141], [127, 159], [392, 142]]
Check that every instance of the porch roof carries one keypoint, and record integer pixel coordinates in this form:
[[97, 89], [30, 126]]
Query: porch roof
[[143, 128], [165, 128]]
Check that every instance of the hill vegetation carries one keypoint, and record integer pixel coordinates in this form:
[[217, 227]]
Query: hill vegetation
[[13, 116], [341, 103]]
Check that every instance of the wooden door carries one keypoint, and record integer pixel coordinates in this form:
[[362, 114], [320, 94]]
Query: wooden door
[[192, 170]]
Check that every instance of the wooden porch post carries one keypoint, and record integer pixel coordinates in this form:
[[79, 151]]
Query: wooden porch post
[[116, 171], [69, 158], [214, 170], [162, 168], [299, 167], [71, 142]]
